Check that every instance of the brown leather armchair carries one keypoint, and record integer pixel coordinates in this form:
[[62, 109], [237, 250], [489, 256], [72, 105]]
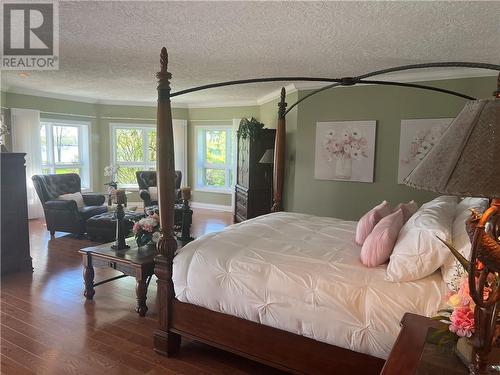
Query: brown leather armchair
[[64, 215], [146, 179]]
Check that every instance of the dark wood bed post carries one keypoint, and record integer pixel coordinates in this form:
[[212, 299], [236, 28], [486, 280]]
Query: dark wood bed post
[[165, 342], [279, 155]]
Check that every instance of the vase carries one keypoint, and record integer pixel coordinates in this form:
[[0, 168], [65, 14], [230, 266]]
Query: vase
[[343, 168], [465, 351]]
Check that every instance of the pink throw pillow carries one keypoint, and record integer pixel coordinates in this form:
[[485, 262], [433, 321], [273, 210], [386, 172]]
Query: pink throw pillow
[[369, 220], [379, 244], [408, 209]]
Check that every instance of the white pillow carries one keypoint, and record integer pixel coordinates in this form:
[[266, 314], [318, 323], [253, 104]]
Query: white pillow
[[153, 193], [471, 203], [77, 197], [451, 270], [418, 253]]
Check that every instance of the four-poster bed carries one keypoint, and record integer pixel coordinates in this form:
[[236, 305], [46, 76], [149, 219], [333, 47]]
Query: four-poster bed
[[276, 347]]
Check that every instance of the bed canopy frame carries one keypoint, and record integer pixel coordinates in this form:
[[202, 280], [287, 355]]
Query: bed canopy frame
[[268, 345]]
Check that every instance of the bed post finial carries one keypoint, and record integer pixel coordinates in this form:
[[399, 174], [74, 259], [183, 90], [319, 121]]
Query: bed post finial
[[282, 104], [279, 155], [165, 342], [164, 59], [163, 75]]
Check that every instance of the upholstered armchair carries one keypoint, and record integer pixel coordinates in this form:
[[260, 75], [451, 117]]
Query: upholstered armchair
[[65, 215], [147, 179]]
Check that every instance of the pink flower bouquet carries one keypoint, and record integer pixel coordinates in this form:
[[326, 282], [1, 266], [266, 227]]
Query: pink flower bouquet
[[147, 229], [460, 312], [348, 144]]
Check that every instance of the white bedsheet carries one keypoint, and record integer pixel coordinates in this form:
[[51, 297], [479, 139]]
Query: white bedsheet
[[302, 274]]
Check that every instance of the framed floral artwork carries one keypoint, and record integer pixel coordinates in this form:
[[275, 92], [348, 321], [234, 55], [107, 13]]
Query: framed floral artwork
[[417, 138], [345, 150]]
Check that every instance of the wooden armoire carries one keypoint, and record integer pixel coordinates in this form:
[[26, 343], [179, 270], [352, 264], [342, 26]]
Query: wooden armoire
[[253, 190], [15, 250]]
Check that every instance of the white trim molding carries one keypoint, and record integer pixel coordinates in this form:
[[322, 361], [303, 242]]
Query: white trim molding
[[419, 75], [210, 206]]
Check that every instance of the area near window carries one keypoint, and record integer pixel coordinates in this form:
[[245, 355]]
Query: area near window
[[133, 148], [214, 170], [65, 148]]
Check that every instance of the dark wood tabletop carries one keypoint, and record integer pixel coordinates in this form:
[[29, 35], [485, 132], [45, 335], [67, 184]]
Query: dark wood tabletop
[[407, 351], [133, 255]]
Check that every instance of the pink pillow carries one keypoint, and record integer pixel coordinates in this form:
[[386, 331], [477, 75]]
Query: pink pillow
[[369, 220], [379, 244], [408, 209]]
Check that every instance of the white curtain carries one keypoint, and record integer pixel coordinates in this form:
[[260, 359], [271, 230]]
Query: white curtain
[[236, 125], [25, 129]]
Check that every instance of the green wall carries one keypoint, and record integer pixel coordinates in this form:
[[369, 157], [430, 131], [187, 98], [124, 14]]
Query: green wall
[[100, 116], [349, 200], [387, 105]]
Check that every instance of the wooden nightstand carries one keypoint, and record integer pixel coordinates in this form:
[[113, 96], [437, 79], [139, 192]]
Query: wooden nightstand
[[406, 355]]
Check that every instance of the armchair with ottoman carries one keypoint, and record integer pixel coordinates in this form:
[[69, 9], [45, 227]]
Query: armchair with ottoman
[[66, 208], [149, 194], [147, 187]]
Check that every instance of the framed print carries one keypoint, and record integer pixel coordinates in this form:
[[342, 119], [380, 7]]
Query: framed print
[[416, 140], [345, 150]]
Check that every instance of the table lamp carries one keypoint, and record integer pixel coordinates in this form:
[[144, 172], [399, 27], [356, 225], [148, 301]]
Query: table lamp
[[466, 163]]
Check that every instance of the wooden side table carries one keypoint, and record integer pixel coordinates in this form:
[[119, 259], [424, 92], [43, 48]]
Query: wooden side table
[[407, 356], [135, 261]]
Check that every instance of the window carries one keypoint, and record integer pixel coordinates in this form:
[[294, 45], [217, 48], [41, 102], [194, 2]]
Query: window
[[65, 148], [214, 164], [133, 148]]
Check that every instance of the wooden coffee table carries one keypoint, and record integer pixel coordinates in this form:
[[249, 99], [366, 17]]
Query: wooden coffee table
[[136, 261]]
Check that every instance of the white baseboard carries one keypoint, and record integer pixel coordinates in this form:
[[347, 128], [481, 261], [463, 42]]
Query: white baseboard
[[207, 206], [210, 206]]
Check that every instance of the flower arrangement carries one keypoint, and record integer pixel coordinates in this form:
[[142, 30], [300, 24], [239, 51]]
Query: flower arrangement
[[4, 130], [147, 229], [459, 314], [424, 141], [349, 144], [111, 171]]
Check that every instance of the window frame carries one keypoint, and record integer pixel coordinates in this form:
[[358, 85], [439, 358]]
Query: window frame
[[202, 165], [84, 149], [145, 164]]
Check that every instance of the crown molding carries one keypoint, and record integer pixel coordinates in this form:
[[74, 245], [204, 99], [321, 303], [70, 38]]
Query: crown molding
[[406, 76], [290, 88], [235, 103], [82, 99], [414, 76]]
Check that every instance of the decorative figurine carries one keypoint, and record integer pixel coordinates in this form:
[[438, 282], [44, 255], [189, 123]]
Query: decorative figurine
[[120, 243]]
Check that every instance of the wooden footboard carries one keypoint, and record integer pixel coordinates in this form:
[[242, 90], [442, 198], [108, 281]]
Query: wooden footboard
[[264, 344], [268, 345]]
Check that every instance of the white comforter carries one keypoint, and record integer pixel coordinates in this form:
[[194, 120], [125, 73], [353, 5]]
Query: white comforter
[[302, 274]]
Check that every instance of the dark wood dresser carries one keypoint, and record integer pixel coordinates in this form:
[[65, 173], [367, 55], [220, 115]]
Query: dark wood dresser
[[15, 251], [253, 191]]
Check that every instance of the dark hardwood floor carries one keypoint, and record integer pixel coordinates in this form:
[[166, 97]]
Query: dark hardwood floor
[[47, 326]]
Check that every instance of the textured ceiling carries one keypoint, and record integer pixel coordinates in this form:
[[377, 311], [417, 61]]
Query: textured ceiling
[[109, 50]]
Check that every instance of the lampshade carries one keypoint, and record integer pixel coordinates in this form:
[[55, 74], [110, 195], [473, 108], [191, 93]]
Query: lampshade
[[466, 160], [268, 157]]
